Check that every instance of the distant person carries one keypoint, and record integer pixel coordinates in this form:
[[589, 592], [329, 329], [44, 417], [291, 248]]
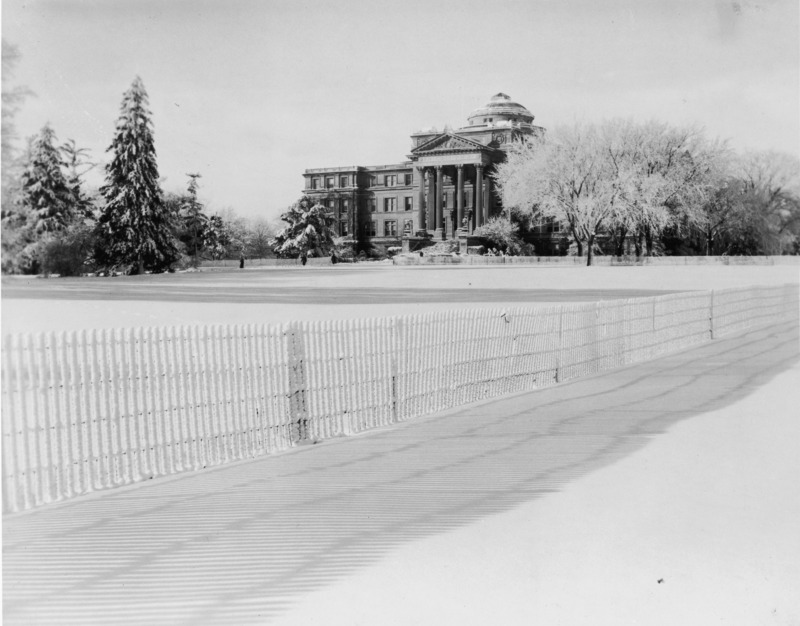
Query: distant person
[[304, 258], [334, 259], [241, 261]]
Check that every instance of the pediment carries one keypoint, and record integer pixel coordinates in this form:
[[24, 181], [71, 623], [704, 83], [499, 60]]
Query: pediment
[[447, 142]]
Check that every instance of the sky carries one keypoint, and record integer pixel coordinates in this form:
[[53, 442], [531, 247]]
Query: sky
[[250, 93]]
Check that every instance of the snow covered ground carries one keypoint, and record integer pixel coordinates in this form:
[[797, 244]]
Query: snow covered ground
[[699, 527], [662, 493], [276, 295]]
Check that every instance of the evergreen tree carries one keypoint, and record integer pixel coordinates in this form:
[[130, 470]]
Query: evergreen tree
[[46, 196], [194, 217], [217, 238], [309, 230], [135, 227], [78, 165], [47, 214]]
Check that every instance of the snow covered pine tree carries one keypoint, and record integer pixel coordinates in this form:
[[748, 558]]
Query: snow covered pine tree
[[135, 227]]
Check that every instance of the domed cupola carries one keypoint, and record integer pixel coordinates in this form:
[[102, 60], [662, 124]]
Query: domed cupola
[[501, 108]]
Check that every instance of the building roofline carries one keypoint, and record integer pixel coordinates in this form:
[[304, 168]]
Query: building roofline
[[357, 168], [333, 170]]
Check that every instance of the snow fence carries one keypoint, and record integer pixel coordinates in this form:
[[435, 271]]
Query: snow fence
[[87, 411], [442, 259]]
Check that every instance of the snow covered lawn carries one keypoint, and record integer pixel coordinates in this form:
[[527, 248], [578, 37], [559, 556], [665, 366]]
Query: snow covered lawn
[[698, 527], [276, 295], [659, 494]]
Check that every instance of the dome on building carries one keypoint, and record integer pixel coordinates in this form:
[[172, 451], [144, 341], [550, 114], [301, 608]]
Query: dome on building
[[501, 108]]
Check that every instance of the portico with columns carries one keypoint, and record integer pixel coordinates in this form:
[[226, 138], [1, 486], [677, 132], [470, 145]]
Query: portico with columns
[[457, 193]]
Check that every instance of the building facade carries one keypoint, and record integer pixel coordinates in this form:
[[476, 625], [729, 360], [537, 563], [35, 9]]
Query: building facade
[[443, 190]]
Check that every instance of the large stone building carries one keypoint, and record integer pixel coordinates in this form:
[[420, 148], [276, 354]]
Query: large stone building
[[442, 191]]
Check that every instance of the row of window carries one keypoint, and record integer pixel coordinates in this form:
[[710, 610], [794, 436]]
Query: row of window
[[384, 180], [389, 228], [390, 180], [330, 203], [390, 204], [330, 182]]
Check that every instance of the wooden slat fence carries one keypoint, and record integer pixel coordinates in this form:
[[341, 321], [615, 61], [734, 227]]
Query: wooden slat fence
[[92, 410]]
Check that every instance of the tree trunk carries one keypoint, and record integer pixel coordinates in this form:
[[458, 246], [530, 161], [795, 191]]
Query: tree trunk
[[648, 240], [620, 247], [590, 250], [637, 244], [194, 236], [578, 244]]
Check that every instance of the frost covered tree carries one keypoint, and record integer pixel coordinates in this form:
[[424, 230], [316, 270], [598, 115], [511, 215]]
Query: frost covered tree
[[620, 178], [565, 177], [135, 227], [665, 175], [12, 99], [502, 233], [721, 216], [309, 230], [13, 220]]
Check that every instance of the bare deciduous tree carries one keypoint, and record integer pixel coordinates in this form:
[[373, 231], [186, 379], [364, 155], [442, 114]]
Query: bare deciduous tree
[[261, 233], [772, 185]]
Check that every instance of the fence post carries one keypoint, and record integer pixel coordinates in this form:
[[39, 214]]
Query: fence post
[[11, 465], [653, 317], [560, 342], [711, 316], [397, 346], [298, 413], [598, 333]]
